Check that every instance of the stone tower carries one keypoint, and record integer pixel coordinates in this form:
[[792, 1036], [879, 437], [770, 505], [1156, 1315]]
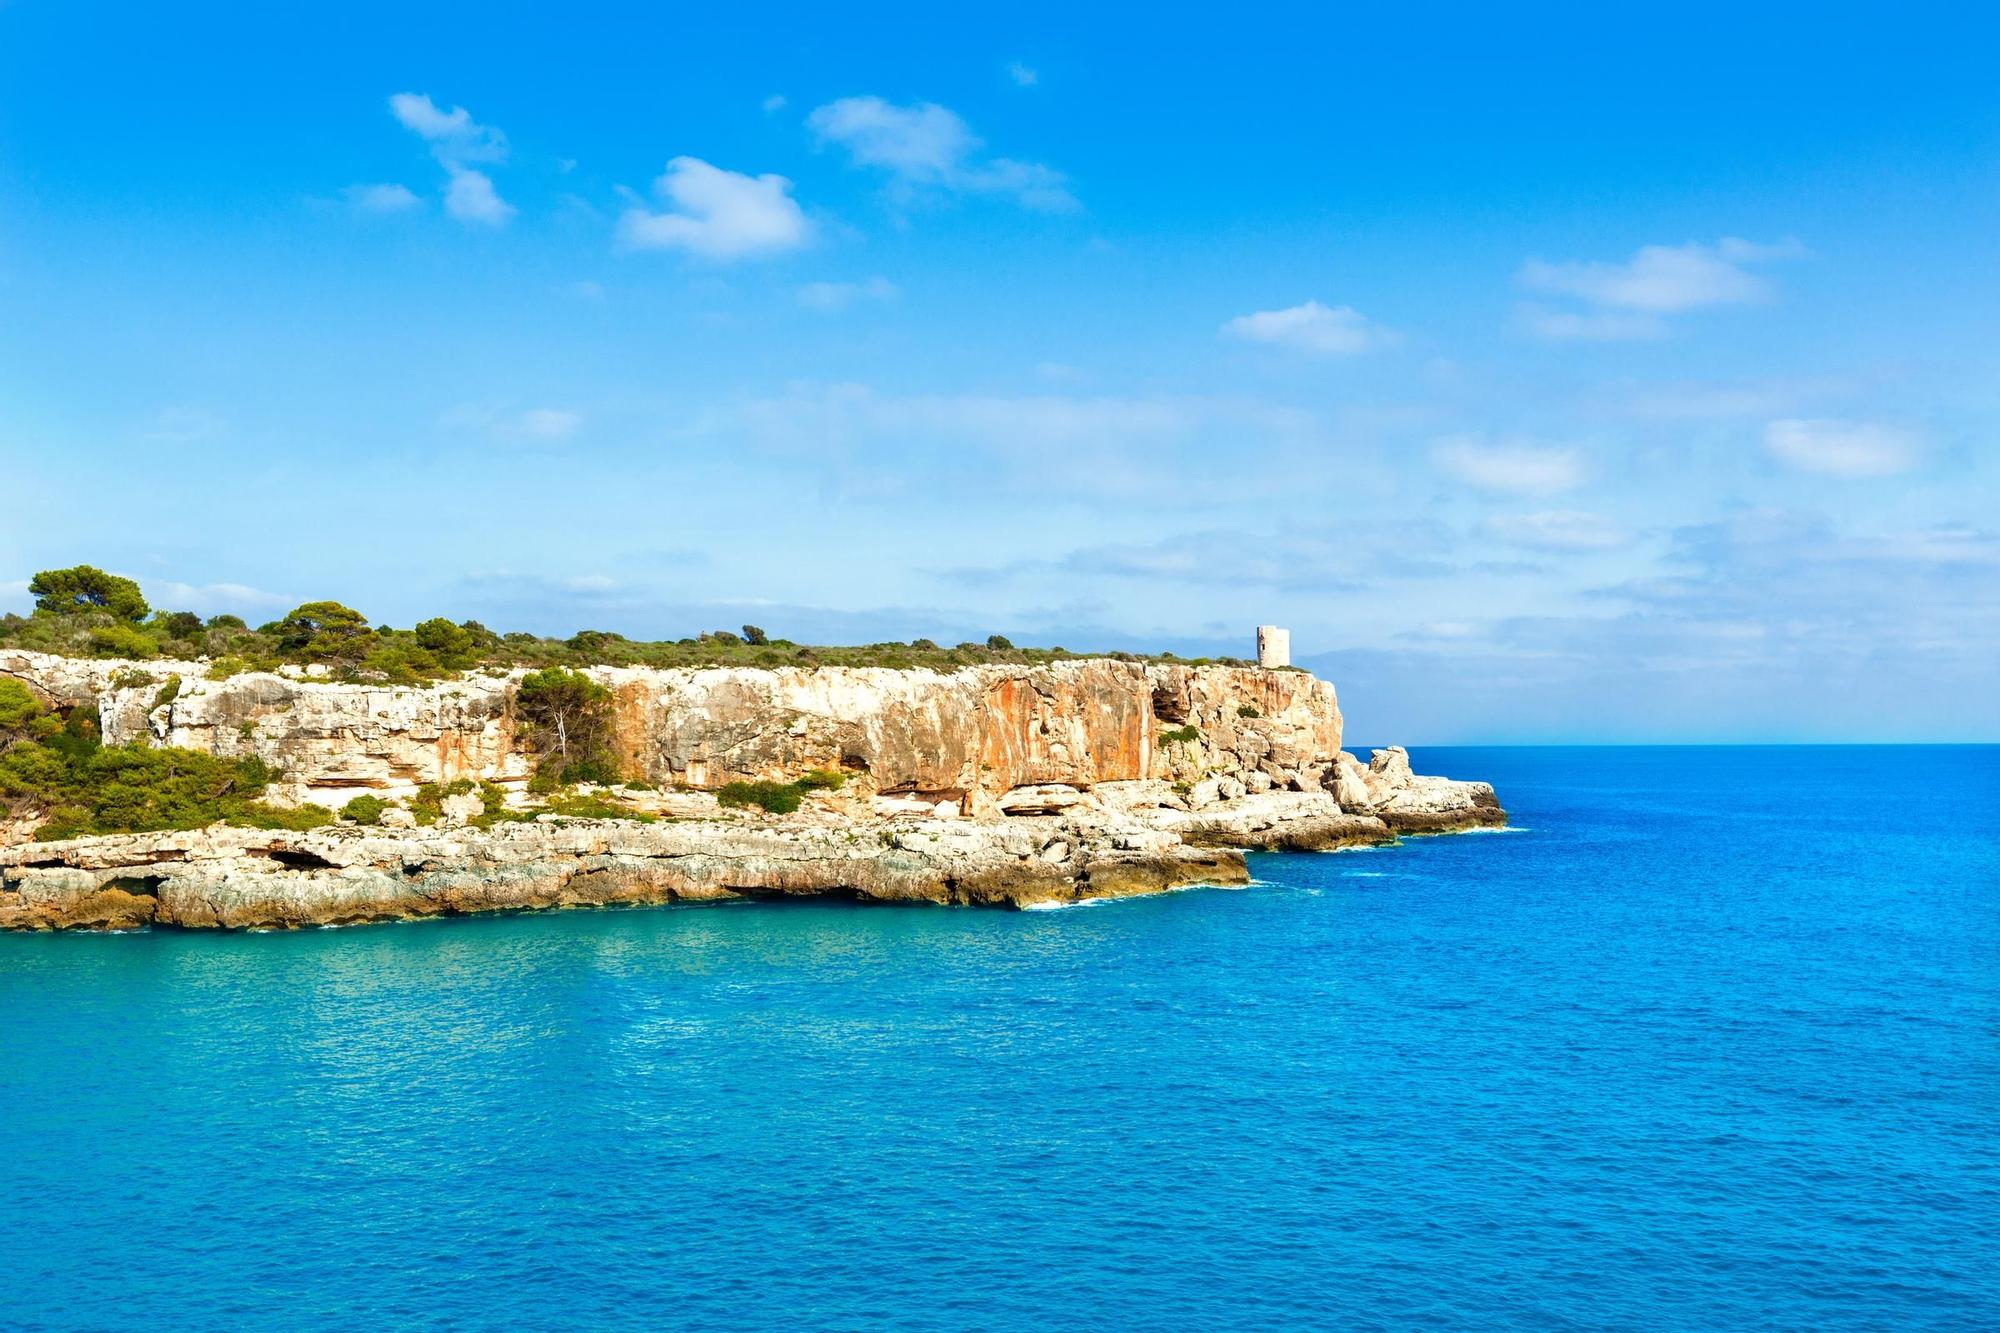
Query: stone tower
[[1274, 646]]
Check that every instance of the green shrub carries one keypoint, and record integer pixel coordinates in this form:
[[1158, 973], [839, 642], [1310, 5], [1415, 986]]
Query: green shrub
[[178, 624], [1180, 736], [89, 788], [427, 806], [1249, 710], [454, 645], [364, 809], [823, 779], [131, 678], [18, 706], [232, 664], [122, 641], [299, 818], [779, 798], [169, 691], [573, 806]]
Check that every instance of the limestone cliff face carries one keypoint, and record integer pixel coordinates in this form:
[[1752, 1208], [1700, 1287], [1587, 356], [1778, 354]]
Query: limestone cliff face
[[965, 738]]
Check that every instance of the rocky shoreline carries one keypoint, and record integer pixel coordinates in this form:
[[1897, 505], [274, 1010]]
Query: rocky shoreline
[[992, 786], [235, 878]]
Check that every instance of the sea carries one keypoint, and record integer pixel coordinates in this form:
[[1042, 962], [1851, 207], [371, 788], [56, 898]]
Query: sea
[[1709, 1039]]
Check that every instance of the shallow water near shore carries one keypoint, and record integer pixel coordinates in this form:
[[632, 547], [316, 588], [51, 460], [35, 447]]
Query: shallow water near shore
[[1715, 1042]]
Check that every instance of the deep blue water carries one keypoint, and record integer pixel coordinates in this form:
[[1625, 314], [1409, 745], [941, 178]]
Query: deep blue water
[[1715, 1043]]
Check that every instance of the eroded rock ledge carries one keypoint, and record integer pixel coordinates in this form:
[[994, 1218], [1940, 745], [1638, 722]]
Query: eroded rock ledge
[[1132, 839]]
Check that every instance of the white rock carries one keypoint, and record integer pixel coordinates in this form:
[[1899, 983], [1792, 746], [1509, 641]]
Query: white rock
[[459, 809]]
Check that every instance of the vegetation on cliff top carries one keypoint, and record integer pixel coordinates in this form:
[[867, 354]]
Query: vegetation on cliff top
[[86, 612]]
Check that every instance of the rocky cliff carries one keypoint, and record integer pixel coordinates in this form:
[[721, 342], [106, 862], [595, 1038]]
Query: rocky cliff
[[966, 737], [993, 784]]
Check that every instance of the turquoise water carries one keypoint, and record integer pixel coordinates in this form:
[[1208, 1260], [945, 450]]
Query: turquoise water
[[1715, 1043]]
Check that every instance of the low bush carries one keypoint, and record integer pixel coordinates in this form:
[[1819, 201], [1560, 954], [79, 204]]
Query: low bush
[[778, 798], [575, 806], [122, 641], [1180, 736], [1249, 710], [86, 788], [364, 809]]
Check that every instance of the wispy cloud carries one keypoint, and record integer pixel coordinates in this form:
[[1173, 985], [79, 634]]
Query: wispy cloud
[[1059, 447], [718, 215], [1023, 76], [527, 426], [1851, 449], [836, 296], [1509, 467], [1632, 299], [1589, 325], [924, 146], [1311, 328], [381, 199], [1557, 530], [215, 598]]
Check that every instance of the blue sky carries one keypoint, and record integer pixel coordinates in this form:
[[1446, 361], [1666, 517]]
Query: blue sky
[[1554, 373]]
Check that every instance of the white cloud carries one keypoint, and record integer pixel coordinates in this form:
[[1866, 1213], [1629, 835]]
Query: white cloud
[[718, 215], [381, 199], [1590, 326], [1511, 468], [1022, 75], [926, 146], [1842, 448], [774, 103], [1557, 530], [455, 139], [1664, 279], [470, 197], [834, 296], [453, 135], [1629, 300], [1312, 327]]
